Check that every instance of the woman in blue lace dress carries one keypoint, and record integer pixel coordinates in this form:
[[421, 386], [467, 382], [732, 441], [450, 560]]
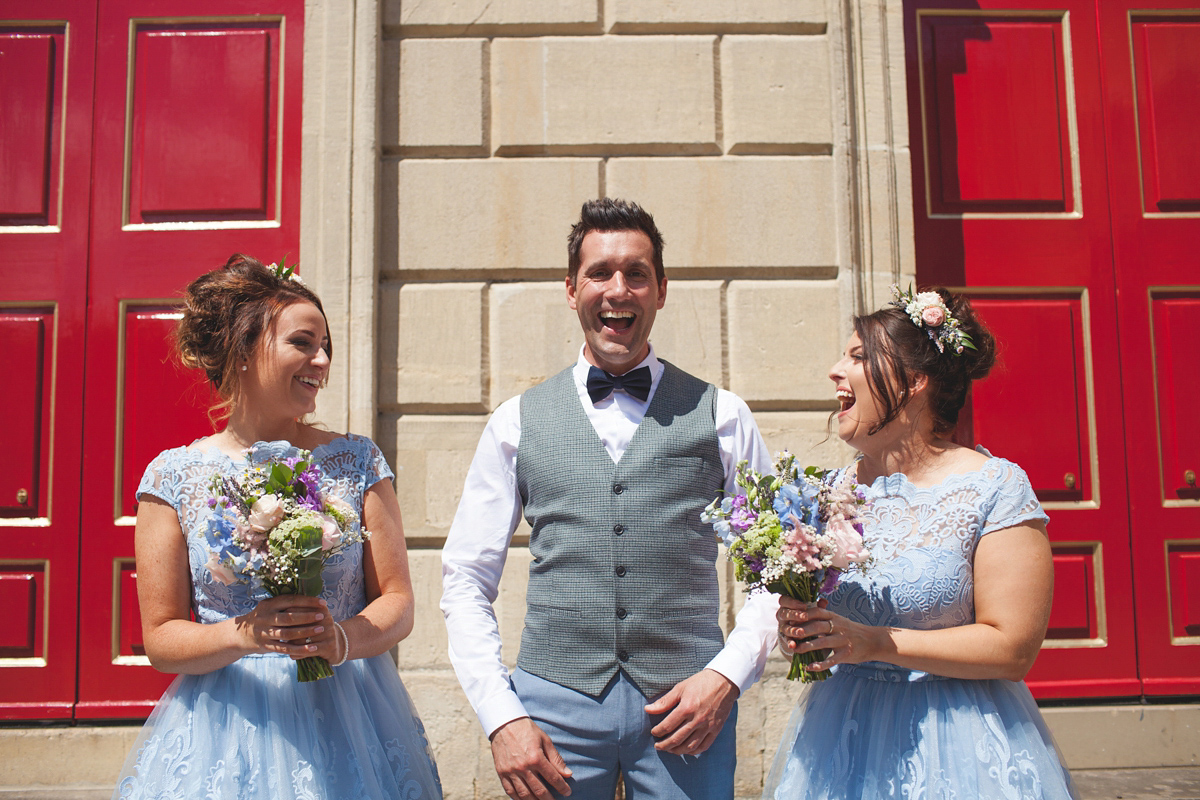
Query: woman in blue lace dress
[[929, 645], [236, 723]]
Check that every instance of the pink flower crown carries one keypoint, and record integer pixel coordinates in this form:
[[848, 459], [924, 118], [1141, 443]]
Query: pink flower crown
[[928, 311]]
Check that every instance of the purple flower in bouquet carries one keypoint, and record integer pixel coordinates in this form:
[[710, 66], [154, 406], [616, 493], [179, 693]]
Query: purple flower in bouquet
[[741, 518], [308, 492]]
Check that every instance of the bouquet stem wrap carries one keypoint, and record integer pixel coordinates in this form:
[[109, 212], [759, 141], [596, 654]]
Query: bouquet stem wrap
[[805, 589], [309, 583]]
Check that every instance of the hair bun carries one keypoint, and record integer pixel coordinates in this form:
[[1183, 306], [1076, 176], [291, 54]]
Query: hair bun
[[978, 362]]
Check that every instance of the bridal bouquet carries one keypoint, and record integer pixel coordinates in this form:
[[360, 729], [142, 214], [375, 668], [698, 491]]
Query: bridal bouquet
[[272, 524], [792, 532]]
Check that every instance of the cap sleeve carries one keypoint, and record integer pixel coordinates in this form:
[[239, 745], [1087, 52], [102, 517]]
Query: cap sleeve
[[161, 480], [1013, 501], [375, 466]]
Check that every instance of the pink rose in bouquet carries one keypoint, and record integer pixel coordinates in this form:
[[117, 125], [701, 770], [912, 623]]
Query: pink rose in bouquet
[[266, 513], [331, 534]]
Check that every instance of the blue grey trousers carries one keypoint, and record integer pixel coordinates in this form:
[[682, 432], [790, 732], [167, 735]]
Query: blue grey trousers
[[606, 736]]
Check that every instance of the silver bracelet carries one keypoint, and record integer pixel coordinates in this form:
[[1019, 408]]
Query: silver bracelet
[[345, 643]]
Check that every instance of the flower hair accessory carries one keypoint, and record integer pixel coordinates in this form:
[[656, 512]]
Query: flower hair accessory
[[284, 272], [928, 311]]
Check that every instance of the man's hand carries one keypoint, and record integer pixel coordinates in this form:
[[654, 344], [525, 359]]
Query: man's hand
[[526, 761], [699, 706]]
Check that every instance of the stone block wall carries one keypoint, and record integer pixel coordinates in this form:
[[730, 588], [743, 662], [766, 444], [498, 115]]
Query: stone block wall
[[736, 124]]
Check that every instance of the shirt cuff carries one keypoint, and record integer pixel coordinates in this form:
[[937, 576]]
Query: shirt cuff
[[500, 709], [734, 667]]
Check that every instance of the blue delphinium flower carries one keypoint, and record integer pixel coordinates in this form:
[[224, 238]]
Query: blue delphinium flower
[[220, 536], [796, 499]]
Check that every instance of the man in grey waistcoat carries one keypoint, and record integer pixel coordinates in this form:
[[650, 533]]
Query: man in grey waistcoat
[[622, 668]]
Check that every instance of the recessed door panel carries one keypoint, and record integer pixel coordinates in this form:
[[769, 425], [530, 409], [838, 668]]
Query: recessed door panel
[[23, 597], [204, 122], [163, 405], [1167, 82], [1176, 334], [25, 405], [1040, 367], [1183, 571], [996, 114], [31, 85], [1076, 618], [127, 639]]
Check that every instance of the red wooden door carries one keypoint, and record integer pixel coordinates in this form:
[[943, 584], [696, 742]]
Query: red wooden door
[[184, 119], [1011, 197], [196, 156], [46, 70], [1152, 111]]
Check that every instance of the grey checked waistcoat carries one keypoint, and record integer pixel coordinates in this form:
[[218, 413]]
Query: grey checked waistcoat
[[623, 573]]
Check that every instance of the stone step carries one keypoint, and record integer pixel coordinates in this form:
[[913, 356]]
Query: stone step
[[1130, 752], [1162, 783]]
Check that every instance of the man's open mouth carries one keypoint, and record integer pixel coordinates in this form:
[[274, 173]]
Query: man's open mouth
[[617, 320]]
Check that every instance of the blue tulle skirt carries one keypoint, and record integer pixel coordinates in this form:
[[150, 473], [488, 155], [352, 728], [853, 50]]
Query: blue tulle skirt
[[249, 730], [871, 732]]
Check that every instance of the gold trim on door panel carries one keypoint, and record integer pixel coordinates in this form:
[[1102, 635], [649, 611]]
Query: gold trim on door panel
[[1072, 123], [127, 169], [1137, 127], [1089, 380], [1151, 291], [33, 563], [123, 308], [42, 522], [229, 225], [280, 122], [1101, 639], [115, 640], [1167, 545]]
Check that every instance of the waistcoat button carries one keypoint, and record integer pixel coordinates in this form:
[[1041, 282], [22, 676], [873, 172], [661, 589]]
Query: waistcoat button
[[618, 529], [622, 613], [620, 572], [623, 655], [618, 488]]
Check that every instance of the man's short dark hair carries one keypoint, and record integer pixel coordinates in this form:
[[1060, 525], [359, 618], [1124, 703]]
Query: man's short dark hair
[[611, 214]]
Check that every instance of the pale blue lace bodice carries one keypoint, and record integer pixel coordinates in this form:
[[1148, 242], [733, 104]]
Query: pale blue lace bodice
[[922, 541], [350, 466]]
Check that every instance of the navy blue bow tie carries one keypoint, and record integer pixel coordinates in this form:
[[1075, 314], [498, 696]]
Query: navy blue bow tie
[[600, 384]]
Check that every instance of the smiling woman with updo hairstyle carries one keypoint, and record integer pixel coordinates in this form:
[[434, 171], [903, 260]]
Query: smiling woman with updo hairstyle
[[236, 723], [930, 643]]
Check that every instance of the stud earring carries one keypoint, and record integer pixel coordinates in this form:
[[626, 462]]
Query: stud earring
[[243, 367]]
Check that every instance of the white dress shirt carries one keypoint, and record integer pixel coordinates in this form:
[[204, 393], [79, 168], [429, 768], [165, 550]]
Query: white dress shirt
[[490, 510]]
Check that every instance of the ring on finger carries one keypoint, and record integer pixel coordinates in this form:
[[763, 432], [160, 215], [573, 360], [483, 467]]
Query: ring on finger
[[308, 640], [830, 627]]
